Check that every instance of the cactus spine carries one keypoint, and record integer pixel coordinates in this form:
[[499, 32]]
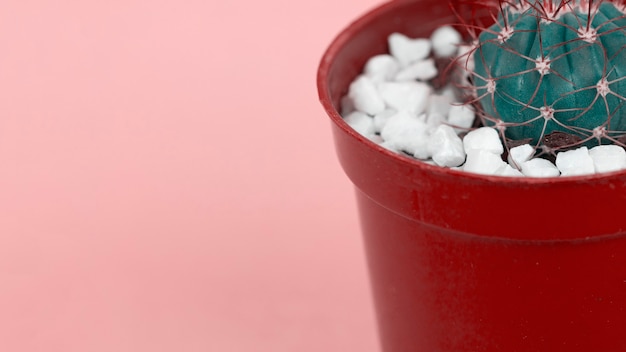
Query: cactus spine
[[551, 70]]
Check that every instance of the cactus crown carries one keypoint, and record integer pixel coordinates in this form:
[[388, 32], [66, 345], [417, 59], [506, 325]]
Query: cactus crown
[[551, 72]]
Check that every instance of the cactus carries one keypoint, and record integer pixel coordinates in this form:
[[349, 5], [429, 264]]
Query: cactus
[[552, 72]]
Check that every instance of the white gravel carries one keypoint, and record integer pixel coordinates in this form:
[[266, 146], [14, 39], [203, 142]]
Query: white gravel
[[575, 162], [445, 41], [361, 122], [520, 154], [538, 167], [405, 96], [393, 104], [365, 97], [381, 68], [484, 138], [608, 158], [422, 70], [407, 50], [446, 147], [483, 162]]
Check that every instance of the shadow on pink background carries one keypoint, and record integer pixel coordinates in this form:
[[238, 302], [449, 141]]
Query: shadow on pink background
[[168, 180]]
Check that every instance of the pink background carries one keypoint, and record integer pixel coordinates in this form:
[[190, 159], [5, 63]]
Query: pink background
[[168, 180]]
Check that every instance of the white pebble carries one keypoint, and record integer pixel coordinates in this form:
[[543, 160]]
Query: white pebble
[[575, 162], [466, 57], [381, 68], [480, 161], [446, 147], [409, 96], [520, 154], [608, 158], [507, 170], [422, 70], [439, 104], [389, 146], [407, 50], [434, 120], [406, 132], [365, 96], [361, 122], [445, 41], [461, 117], [449, 91], [484, 138], [539, 167], [382, 117]]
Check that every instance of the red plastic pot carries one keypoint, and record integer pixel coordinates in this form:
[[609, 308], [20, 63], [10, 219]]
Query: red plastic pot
[[464, 262]]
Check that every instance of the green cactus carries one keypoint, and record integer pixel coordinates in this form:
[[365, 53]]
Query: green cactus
[[553, 69]]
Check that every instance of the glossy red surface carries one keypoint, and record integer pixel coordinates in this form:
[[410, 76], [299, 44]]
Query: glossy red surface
[[463, 262]]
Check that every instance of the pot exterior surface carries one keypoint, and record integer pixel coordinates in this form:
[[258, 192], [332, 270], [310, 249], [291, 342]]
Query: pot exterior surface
[[464, 262], [440, 290]]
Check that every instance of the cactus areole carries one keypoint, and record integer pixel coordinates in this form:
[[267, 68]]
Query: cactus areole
[[550, 68]]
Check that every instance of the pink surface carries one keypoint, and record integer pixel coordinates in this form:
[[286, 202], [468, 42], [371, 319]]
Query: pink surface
[[168, 180]]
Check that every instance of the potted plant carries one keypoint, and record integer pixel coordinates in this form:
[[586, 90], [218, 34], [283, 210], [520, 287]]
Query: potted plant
[[469, 262]]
